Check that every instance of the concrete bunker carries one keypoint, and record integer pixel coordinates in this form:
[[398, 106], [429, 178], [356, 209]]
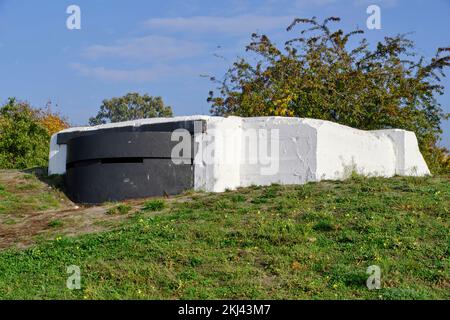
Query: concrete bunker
[[135, 159], [119, 163]]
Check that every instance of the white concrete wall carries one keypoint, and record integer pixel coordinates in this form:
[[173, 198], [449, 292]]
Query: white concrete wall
[[231, 152], [409, 160], [342, 150], [217, 161], [290, 157], [57, 157]]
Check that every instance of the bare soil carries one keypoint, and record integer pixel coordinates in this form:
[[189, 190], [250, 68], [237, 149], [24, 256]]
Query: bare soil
[[24, 222]]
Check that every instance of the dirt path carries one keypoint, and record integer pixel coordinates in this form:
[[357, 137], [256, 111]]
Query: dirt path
[[33, 208], [41, 225], [25, 217]]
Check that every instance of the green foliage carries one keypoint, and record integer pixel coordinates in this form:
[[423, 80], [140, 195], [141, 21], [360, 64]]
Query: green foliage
[[119, 209], [52, 121], [130, 107], [321, 74], [154, 205], [55, 223], [323, 225], [24, 140]]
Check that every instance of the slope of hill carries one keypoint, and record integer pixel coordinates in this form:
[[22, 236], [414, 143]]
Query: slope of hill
[[277, 242]]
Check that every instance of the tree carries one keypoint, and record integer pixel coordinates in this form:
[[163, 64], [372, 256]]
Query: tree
[[25, 134], [319, 75], [24, 141], [52, 121], [130, 107]]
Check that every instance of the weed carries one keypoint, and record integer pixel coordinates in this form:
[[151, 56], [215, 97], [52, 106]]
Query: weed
[[55, 224], [154, 205], [119, 209]]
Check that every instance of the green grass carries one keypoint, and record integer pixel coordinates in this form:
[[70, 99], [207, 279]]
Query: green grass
[[153, 205], [279, 242], [27, 194], [55, 223], [119, 209]]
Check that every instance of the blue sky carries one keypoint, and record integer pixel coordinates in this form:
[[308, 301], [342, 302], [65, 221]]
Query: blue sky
[[163, 47]]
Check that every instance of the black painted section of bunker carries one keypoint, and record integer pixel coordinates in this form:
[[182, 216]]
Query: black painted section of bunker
[[191, 126], [122, 163]]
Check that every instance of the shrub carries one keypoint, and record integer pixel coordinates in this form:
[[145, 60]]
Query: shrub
[[25, 134], [52, 121], [23, 139]]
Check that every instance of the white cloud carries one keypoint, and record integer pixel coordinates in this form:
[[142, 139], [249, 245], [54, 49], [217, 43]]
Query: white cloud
[[146, 48], [133, 75], [235, 25]]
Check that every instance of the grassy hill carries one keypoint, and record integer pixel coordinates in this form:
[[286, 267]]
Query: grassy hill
[[313, 241]]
